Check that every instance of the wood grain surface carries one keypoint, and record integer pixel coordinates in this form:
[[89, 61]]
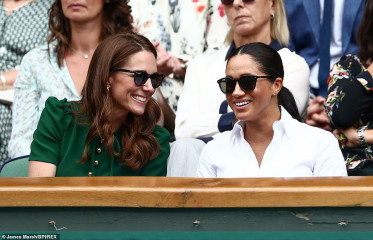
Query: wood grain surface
[[166, 192]]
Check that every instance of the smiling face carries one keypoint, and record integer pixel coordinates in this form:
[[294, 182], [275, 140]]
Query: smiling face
[[251, 18], [128, 97], [82, 10], [259, 104]]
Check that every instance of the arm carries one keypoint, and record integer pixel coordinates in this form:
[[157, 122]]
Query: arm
[[41, 169], [316, 115], [46, 146], [10, 77], [330, 161], [350, 92], [158, 166], [167, 114], [351, 138], [25, 108], [296, 78], [205, 169], [198, 107]]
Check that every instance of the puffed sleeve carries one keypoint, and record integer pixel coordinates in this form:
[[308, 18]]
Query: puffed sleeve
[[349, 92], [53, 122], [158, 166]]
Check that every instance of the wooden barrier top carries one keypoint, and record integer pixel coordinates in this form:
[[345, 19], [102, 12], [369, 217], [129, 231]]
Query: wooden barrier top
[[167, 192]]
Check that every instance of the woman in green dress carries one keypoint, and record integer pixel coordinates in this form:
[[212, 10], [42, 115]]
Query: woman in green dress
[[112, 130]]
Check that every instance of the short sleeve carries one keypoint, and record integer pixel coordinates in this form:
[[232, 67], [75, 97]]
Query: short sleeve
[[158, 166], [51, 127]]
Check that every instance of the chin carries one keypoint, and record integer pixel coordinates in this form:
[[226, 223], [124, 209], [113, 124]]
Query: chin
[[138, 112]]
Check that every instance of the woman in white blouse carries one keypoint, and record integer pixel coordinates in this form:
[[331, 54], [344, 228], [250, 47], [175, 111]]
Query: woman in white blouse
[[268, 140]]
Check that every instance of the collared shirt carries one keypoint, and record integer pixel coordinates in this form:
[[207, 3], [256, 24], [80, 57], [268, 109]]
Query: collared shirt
[[199, 107], [335, 40], [296, 150]]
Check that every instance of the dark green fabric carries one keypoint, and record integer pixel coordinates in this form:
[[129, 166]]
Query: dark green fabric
[[60, 140]]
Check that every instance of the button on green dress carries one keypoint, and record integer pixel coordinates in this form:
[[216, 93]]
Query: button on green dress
[[59, 140]]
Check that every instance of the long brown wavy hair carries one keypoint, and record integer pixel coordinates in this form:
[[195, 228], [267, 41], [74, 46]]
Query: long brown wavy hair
[[138, 143], [117, 18], [365, 33]]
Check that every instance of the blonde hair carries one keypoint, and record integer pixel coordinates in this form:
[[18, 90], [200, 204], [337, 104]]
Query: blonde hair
[[279, 26]]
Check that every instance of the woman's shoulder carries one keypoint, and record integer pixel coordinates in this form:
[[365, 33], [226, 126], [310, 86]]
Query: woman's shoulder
[[37, 53], [220, 140], [302, 130], [211, 57], [161, 133], [288, 56], [57, 108]]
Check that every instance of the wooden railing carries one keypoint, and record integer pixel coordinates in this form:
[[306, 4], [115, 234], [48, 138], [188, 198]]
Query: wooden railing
[[163, 192]]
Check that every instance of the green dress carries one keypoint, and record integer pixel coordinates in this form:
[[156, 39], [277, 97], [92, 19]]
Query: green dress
[[59, 140]]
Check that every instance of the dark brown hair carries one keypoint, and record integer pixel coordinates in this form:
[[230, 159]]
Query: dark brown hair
[[116, 18], [270, 63], [138, 143], [365, 33]]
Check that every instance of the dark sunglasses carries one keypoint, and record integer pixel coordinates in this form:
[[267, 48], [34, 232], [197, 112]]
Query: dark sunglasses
[[140, 77], [229, 2], [246, 83]]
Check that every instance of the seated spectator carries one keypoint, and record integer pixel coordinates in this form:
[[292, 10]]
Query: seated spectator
[[169, 25], [200, 111], [60, 68], [268, 140], [23, 26], [349, 104], [321, 32], [112, 130]]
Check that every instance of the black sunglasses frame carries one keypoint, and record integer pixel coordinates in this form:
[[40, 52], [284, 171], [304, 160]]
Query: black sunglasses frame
[[246, 82], [141, 77], [229, 2]]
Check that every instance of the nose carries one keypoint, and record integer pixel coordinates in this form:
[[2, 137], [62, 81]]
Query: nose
[[148, 86], [237, 90], [237, 3]]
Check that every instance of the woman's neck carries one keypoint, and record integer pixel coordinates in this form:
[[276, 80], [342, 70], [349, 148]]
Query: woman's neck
[[117, 119], [85, 37], [262, 37], [262, 128]]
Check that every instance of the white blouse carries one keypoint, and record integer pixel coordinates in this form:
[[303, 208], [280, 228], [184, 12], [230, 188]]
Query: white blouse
[[296, 150]]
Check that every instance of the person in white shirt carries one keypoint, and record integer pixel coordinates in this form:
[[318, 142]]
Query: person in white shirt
[[200, 112], [268, 140], [203, 112]]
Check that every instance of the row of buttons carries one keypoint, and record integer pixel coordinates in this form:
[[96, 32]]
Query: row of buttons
[[98, 151]]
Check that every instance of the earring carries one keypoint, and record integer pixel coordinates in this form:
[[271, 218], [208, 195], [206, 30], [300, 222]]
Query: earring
[[274, 94], [272, 16], [108, 87]]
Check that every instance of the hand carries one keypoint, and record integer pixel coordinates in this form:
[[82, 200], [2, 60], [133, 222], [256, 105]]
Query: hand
[[316, 115], [164, 62], [10, 77], [168, 64], [347, 137]]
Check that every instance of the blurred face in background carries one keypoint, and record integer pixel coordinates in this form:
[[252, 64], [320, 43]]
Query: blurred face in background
[[81, 11], [250, 17]]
